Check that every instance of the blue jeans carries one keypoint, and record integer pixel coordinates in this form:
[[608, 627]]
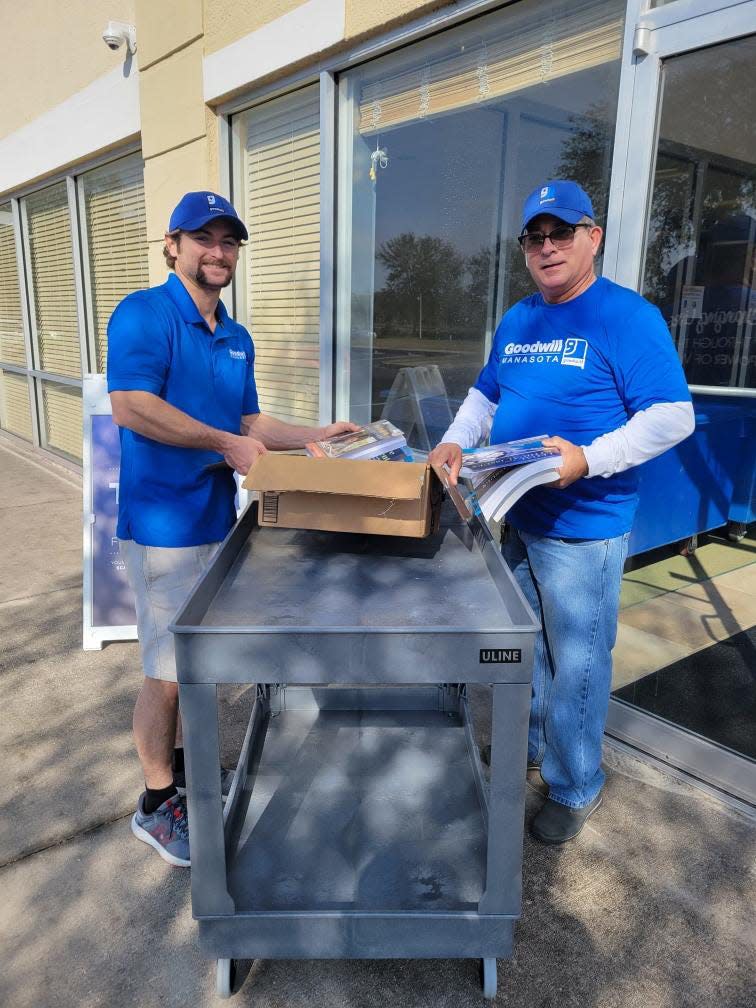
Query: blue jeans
[[574, 588]]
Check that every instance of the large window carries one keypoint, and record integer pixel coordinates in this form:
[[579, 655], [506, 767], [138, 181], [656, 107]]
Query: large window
[[115, 242], [97, 220], [15, 414], [701, 245], [51, 263], [439, 144], [12, 349], [280, 152]]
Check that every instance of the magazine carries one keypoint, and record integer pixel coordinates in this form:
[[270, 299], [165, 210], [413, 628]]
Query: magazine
[[397, 455], [499, 475], [370, 441], [505, 455]]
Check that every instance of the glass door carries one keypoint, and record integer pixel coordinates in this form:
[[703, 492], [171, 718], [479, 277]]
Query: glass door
[[695, 260]]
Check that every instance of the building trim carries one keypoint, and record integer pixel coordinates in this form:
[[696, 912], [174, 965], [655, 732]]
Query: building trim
[[309, 29], [103, 114]]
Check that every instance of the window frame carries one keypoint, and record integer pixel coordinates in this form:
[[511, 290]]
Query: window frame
[[34, 373], [232, 147], [672, 30]]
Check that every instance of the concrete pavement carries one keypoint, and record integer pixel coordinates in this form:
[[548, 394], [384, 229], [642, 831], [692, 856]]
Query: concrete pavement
[[651, 906]]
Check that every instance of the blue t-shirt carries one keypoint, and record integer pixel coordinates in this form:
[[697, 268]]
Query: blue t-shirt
[[158, 342], [578, 370]]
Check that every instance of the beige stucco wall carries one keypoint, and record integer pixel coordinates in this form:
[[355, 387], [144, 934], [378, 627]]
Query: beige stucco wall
[[174, 119], [165, 26], [170, 93], [226, 21], [51, 51], [362, 17]]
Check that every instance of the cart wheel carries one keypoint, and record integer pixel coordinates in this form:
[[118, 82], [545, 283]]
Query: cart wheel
[[224, 978], [488, 978]]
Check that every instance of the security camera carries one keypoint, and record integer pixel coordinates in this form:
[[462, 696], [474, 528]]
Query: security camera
[[118, 32]]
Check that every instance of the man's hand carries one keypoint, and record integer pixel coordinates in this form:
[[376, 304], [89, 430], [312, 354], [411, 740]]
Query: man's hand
[[242, 452], [574, 465], [340, 427], [450, 454]]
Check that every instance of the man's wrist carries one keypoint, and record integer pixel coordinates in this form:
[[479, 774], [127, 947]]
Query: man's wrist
[[223, 442]]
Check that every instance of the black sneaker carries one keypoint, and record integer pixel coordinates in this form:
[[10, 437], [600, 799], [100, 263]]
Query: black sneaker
[[557, 823], [227, 780]]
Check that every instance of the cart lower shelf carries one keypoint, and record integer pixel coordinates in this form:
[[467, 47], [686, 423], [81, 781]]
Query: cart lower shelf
[[360, 832], [358, 811]]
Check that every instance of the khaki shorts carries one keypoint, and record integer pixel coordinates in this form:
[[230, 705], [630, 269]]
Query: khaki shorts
[[161, 578]]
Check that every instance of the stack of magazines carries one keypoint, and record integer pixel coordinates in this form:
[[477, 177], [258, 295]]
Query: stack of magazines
[[500, 474], [381, 441]]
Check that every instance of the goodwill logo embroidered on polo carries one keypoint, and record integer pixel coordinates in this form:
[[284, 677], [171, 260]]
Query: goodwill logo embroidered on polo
[[572, 352]]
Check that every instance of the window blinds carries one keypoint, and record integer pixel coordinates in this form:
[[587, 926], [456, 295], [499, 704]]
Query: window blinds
[[529, 44], [63, 418], [116, 241], [52, 273], [15, 415], [282, 172], [11, 324]]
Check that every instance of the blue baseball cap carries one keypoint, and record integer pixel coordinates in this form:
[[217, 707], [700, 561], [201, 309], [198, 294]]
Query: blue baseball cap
[[196, 209], [560, 198]]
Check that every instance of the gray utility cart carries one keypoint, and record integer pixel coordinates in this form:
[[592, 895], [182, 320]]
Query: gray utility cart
[[359, 824]]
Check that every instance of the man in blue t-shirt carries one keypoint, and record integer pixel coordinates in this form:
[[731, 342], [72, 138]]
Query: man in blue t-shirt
[[592, 364], [182, 386]]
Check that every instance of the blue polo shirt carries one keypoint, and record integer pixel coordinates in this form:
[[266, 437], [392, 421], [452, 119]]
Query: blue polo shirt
[[158, 342], [578, 370]]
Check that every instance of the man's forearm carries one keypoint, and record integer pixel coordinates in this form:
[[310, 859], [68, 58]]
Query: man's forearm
[[277, 435], [149, 415], [646, 435]]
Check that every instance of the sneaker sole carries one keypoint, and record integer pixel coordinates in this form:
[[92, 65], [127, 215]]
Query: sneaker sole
[[141, 834]]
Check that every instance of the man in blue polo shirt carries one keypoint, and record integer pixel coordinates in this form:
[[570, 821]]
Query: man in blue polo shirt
[[592, 364], [182, 387]]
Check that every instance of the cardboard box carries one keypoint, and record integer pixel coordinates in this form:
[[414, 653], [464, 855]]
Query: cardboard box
[[343, 495]]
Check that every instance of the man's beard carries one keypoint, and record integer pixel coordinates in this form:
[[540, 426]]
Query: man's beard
[[202, 281]]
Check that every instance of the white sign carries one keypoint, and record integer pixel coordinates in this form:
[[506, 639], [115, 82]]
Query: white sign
[[691, 305]]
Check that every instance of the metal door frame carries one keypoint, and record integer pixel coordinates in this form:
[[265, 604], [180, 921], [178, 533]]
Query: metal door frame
[[671, 30]]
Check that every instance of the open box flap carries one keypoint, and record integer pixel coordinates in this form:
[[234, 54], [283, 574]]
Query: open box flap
[[352, 477]]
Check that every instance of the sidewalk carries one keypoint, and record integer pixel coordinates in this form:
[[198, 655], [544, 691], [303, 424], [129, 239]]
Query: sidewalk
[[652, 906]]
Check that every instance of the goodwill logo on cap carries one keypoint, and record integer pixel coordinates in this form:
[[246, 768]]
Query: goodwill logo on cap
[[196, 209], [559, 198]]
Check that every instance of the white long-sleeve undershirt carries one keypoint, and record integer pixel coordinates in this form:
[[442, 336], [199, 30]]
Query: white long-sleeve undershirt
[[645, 435]]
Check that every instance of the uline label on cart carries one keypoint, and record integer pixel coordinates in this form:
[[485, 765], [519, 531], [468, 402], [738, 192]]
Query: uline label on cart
[[499, 656]]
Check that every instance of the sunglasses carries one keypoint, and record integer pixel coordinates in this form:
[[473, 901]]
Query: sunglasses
[[561, 237]]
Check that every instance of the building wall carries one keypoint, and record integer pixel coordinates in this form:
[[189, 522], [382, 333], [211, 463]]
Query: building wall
[[227, 21], [50, 51], [66, 95], [161, 93]]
